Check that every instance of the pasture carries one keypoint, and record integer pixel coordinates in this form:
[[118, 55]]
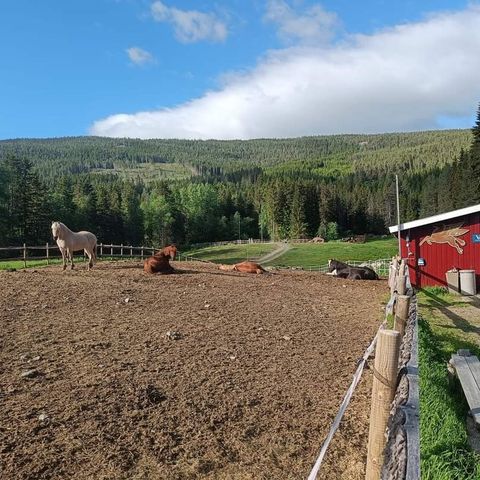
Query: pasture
[[301, 254], [114, 374], [310, 254], [232, 253]]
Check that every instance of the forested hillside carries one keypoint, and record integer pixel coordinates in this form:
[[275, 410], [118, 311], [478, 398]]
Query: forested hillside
[[322, 155], [159, 191]]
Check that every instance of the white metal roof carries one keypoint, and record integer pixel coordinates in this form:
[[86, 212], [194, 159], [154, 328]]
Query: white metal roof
[[436, 218]]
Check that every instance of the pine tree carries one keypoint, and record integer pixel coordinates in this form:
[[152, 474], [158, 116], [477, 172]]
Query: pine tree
[[4, 228], [27, 205], [475, 161], [298, 226]]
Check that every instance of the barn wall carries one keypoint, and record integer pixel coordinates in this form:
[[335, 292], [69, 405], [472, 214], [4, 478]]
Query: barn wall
[[441, 257]]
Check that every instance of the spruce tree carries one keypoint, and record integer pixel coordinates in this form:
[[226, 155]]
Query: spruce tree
[[475, 162]]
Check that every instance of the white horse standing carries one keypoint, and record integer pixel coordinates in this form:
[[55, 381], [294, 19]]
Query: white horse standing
[[69, 242]]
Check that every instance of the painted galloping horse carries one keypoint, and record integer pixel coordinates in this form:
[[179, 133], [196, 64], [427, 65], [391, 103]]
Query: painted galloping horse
[[448, 234]]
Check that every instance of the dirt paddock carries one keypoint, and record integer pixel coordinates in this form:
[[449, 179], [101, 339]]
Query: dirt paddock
[[113, 374]]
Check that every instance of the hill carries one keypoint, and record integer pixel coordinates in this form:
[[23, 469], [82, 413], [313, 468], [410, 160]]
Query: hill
[[314, 156], [189, 191]]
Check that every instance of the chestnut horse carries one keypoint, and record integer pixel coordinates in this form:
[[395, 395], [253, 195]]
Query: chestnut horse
[[244, 267], [158, 263], [170, 250]]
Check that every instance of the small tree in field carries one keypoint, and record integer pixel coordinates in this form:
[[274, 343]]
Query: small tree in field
[[332, 231], [328, 231]]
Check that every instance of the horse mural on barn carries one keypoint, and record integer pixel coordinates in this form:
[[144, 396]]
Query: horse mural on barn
[[69, 242], [449, 235]]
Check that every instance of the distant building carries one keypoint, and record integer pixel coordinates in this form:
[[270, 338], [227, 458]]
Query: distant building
[[439, 243]]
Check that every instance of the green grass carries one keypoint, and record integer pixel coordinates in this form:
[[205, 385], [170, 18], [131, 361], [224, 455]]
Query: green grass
[[300, 254], [78, 260], [148, 172], [444, 451], [313, 254], [18, 264], [232, 253]]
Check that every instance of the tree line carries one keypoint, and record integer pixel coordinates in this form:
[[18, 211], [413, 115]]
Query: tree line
[[329, 186]]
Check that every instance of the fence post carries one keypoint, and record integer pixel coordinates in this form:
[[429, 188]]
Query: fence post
[[392, 276], [25, 255], [101, 249], [401, 284], [401, 313], [121, 250], [111, 251], [131, 251], [383, 391], [402, 278], [48, 259], [141, 252]]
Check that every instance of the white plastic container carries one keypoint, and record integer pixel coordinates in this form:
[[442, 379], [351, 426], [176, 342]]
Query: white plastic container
[[453, 281], [468, 284]]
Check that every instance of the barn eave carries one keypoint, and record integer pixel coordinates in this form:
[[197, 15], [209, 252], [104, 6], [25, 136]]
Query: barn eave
[[435, 218]]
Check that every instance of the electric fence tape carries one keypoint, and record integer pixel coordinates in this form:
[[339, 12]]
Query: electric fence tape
[[348, 395]]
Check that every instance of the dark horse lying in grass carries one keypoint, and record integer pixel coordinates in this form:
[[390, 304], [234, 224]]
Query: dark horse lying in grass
[[342, 270]]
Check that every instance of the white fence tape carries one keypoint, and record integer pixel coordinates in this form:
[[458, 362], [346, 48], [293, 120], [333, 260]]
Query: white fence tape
[[343, 407], [355, 381]]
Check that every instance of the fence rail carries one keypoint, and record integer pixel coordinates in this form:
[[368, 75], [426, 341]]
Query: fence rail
[[52, 252], [381, 266], [386, 382]]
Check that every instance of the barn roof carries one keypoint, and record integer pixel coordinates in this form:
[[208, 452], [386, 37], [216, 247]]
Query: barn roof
[[436, 218]]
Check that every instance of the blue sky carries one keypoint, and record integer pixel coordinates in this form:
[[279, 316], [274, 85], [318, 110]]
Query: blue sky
[[236, 69]]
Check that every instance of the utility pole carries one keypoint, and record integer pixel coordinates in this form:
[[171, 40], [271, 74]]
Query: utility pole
[[398, 219]]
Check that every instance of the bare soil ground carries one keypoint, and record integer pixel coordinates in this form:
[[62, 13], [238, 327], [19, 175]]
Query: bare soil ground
[[247, 391]]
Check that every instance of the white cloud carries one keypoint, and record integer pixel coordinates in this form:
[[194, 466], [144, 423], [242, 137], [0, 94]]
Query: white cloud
[[315, 25], [399, 79], [138, 56], [190, 25]]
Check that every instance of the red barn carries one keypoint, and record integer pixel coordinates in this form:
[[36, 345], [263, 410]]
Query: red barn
[[434, 245]]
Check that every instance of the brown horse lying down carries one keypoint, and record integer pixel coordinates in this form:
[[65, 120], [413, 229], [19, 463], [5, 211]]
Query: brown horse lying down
[[170, 250], [244, 267], [159, 263]]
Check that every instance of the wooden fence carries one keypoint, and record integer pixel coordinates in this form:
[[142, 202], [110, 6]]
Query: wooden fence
[[396, 360], [48, 252]]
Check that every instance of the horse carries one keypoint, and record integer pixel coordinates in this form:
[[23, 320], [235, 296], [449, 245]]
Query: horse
[[69, 242], [244, 267], [170, 250], [158, 263], [343, 270]]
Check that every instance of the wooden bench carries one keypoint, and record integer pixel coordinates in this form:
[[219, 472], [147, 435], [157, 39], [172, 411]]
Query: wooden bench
[[467, 368]]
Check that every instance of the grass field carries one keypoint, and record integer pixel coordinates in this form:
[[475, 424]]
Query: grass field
[[18, 264], [148, 172], [232, 253], [311, 254], [301, 254], [445, 453], [32, 263]]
